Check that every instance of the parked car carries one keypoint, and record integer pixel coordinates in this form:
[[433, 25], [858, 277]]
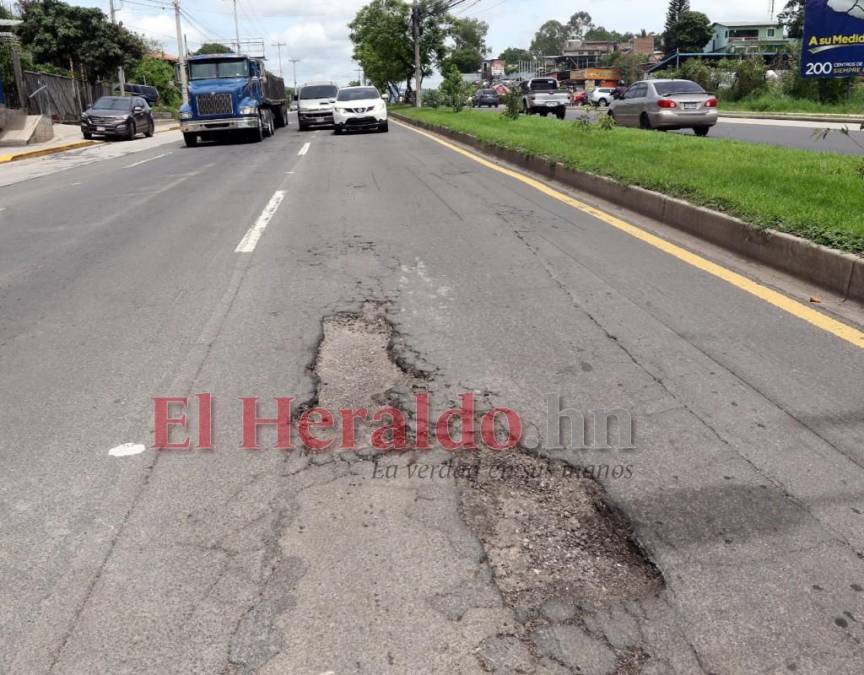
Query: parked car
[[541, 96], [666, 105], [119, 117], [484, 97], [579, 97], [602, 96], [145, 91], [316, 102], [360, 108]]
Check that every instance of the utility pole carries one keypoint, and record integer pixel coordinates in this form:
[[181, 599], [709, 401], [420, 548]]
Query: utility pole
[[181, 54], [279, 46], [418, 66], [121, 76], [236, 28]]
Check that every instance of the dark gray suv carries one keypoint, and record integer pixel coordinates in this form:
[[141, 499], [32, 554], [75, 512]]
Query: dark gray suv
[[118, 117]]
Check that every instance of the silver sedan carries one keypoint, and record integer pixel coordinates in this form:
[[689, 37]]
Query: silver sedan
[[666, 105]]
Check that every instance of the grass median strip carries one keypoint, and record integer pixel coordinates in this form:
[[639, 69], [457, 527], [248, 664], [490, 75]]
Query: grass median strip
[[819, 196]]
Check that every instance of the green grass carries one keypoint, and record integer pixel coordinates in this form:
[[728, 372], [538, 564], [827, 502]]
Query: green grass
[[819, 196], [785, 104]]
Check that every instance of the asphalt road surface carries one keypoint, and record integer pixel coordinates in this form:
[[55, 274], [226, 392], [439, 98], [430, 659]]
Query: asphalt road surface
[[786, 133], [346, 270]]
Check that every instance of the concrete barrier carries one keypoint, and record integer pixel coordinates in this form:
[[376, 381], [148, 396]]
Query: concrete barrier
[[832, 270]]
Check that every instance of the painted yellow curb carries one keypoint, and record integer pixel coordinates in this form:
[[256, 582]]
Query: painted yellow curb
[[46, 151]]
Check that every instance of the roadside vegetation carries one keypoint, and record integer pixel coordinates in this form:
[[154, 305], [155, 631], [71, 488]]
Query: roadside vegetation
[[818, 196]]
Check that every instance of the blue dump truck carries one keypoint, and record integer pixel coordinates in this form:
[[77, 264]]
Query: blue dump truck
[[231, 95]]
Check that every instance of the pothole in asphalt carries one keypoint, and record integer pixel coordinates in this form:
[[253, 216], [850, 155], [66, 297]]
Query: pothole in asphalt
[[354, 368], [551, 538]]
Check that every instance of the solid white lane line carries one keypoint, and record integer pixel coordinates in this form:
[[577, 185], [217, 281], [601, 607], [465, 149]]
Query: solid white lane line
[[304, 149], [144, 161], [127, 450], [250, 239]]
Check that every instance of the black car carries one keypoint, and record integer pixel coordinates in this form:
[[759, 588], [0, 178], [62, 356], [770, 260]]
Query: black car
[[118, 117], [486, 97]]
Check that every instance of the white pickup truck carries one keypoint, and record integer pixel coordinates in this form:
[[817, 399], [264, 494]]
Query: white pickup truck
[[541, 96]]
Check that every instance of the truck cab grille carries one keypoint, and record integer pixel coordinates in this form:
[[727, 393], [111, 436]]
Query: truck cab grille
[[214, 104]]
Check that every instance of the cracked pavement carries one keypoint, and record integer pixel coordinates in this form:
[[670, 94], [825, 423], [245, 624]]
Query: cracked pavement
[[738, 536]]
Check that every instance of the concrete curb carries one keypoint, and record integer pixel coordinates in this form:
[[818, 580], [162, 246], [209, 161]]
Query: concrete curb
[[836, 271], [42, 152], [854, 120]]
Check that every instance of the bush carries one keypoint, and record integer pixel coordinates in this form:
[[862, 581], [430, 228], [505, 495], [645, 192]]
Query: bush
[[159, 74], [432, 98], [454, 89], [749, 78], [512, 104]]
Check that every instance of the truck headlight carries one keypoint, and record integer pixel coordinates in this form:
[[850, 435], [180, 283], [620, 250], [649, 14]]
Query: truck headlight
[[185, 114], [248, 110]]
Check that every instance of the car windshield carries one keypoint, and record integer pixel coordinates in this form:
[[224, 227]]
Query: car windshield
[[218, 70], [357, 94], [544, 85], [678, 87], [113, 103], [318, 91]]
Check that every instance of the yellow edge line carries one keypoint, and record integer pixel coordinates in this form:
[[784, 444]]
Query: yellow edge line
[[793, 307]]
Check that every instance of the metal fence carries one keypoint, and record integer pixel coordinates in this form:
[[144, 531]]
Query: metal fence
[[62, 98]]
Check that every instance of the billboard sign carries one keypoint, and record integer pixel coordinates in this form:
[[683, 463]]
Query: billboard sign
[[833, 42], [499, 67]]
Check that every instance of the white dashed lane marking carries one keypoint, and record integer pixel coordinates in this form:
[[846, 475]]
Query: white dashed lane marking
[[250, 239]]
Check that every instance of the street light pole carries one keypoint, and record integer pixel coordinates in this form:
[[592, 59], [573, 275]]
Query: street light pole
[[181, 54], [121, 75], [294, 63]]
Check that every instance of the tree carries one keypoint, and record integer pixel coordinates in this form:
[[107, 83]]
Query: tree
[[792, 18], [58, 34], [600, 33], [550, 39], [354, 83], [469, 49], [513, 55], [578, 24], [674, 12], [213, 48], [454, 89], [632, 66], [159, 74], [691, 33], [384, 42]]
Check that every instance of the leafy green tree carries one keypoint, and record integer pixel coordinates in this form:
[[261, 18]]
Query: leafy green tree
[[454, 89], [383, 40], [579, 24], [550, 39], [469, 43], [632, 66], [600, 33], [213, 48], [513, 55], [59, 34], [792, 18], [159, 74], [690, 34], [5, 13]]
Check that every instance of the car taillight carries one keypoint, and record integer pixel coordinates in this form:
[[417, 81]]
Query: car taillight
[[667, 103], [711, 103]]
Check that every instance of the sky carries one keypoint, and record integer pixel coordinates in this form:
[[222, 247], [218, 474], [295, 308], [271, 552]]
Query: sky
[[316, 32]]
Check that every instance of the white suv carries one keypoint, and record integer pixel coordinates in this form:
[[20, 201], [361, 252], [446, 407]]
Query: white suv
[[602, 96], [360, 108]]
